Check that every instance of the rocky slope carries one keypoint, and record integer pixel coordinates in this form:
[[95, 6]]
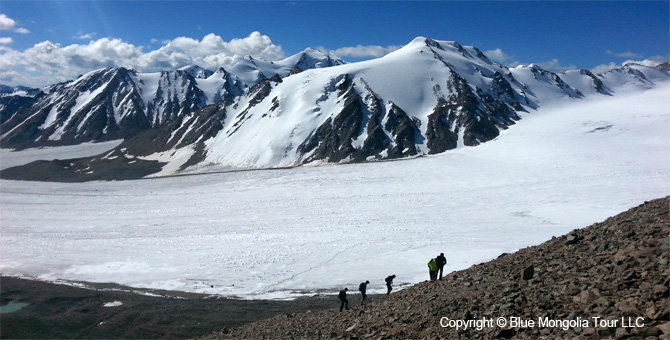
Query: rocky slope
[[617, 270], [84, 310]]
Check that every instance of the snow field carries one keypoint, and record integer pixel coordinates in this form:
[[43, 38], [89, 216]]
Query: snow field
[[8, 158], [282, 233]]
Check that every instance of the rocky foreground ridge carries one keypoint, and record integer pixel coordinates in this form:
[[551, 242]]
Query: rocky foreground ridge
[[617, 271]]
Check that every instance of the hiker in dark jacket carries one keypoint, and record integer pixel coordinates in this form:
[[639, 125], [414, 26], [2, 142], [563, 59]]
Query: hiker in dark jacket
[[344, 303], [441, 261], [362, 288], [389, 283]]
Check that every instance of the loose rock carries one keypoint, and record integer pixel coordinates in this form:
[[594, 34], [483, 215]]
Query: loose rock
[[610, 270]]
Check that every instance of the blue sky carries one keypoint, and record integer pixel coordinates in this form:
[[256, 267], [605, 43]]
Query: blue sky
[[47, 41]]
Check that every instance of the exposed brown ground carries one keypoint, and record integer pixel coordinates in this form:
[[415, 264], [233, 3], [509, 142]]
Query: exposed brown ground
[[617, 270]]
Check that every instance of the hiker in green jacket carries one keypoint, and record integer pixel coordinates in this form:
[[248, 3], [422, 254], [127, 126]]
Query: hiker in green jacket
[[432, 269]]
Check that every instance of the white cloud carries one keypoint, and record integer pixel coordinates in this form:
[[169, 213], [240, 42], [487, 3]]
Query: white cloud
[[210, 52], [5, 40], [8, 75], [624, 54], [47, 62], [85, 36], [6, 23], [627, 55], [604, 68], [255, 44], [158, 41], [367, 51], [555, 66], [651, 62], [497, 55]]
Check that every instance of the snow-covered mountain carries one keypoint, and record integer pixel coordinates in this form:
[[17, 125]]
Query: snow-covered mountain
[[114, 103], [21, 91], [425, 98], [251, 70]]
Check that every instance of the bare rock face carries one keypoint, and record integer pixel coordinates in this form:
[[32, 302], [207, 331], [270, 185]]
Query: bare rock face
[[606, 281]]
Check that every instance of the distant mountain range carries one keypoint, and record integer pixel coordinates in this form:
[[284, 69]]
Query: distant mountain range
[[115, 103], [425, 98]]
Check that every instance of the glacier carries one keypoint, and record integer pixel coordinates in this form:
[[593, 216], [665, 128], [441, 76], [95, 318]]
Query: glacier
[[282, 233]]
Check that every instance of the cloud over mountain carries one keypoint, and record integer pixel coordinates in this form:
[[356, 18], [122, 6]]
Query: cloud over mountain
[[48, 62], [650, 62], [365, 51], [498, 55]]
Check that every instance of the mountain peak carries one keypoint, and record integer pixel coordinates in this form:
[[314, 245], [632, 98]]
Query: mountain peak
[[310, 50], [420, 43], [313, 58], [197, 71], [430, 42], [419, 40]]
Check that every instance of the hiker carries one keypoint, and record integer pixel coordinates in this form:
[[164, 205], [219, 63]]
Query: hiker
[[441, 261], [344, 303], [362, 288], [432, 269], [389, 283]]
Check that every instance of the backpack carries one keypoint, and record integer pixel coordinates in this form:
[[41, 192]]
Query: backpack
[[432, 265]]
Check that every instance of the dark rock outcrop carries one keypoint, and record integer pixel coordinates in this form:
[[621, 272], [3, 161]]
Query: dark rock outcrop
[[391, 133]]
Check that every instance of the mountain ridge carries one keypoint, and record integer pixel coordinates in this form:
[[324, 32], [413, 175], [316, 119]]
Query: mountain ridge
[[345, 110], [113, 103], [426, 98]]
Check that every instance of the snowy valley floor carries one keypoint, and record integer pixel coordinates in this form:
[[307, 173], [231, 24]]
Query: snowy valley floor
[[279, 234]]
